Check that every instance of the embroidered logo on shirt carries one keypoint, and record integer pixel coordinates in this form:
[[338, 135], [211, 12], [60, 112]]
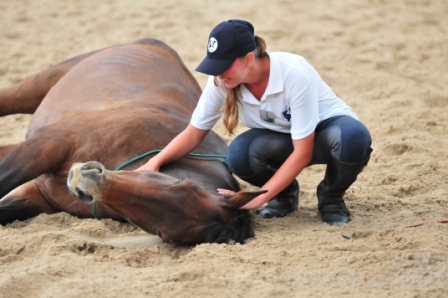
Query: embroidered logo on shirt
[[286, 114]]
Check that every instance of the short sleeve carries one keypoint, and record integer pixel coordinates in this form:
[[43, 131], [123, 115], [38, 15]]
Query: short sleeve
[[208, 109], [304, 103]]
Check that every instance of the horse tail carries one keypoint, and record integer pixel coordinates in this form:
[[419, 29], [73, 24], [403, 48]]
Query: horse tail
[[238, 230]]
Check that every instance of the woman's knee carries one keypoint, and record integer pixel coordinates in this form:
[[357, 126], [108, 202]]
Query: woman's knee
[[237, 160], [237, 153], [251, 152], [356, 143]]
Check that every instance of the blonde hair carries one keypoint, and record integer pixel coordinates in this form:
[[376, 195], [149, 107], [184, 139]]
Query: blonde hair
[[230, 117]]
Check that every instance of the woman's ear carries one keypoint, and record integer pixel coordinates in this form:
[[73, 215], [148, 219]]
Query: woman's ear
[[250, 58]]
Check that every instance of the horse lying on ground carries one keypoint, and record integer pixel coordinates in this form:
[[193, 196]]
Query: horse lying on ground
[[110, 106]]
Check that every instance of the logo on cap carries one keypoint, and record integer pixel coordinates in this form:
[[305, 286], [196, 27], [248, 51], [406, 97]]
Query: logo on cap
[[212, 44]]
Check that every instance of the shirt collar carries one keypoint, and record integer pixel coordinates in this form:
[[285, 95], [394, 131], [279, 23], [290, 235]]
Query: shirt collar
[[275, 83]]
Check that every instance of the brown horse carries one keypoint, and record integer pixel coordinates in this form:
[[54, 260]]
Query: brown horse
[[110, 106]]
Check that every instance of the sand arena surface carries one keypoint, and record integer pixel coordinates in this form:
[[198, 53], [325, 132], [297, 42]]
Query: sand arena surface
[[387, 59]]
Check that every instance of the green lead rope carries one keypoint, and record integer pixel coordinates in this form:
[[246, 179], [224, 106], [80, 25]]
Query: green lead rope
[[223, 157]]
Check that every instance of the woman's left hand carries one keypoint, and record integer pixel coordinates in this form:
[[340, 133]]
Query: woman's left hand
[[225, 192], [254, 204]]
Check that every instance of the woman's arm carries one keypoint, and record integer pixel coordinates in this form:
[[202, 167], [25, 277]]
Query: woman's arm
[[181, 145], [290, 169]]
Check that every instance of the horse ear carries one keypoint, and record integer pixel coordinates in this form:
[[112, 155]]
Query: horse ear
[[241, 198]]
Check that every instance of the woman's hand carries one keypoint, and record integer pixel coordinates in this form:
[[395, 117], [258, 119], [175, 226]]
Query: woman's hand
[[255, 203], [183, 143], [225, 192], [151, 165]]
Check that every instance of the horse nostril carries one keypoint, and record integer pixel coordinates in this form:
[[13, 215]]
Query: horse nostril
[[92, 169], [86, 198], [93, 166]]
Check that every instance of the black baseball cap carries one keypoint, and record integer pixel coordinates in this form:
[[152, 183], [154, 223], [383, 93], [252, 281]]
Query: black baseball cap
[[228, 41]]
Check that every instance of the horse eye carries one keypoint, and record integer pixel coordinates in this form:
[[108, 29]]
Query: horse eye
[[179, 181]]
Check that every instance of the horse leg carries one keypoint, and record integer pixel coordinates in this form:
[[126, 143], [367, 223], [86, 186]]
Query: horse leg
[[24, 202], [5, 150], [26, 96], [40, 155], [44, 152]]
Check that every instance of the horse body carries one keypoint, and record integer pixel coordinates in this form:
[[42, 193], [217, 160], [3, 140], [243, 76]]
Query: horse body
[[109, 106]]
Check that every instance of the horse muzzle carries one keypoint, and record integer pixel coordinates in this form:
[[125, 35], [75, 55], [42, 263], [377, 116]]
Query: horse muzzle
[[84, 179]]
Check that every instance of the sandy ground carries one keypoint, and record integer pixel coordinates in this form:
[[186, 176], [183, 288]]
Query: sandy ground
[[387, 59]]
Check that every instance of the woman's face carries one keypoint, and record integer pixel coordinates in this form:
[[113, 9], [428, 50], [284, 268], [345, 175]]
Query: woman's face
[[235, 74]]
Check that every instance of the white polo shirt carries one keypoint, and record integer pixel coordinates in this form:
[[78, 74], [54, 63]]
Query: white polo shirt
[[295, 101]]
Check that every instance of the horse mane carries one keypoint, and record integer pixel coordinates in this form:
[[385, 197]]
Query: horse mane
[[238, 230]]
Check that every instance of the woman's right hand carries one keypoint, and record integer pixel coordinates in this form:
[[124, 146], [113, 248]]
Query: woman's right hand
[[180, 146], [151, 165]]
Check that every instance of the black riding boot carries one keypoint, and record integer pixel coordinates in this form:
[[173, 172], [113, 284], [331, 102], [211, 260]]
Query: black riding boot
[[283, 203], [338, 178]]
